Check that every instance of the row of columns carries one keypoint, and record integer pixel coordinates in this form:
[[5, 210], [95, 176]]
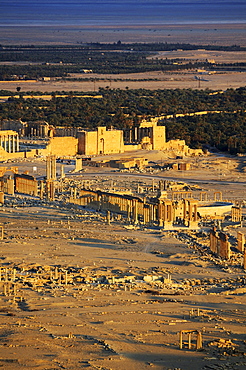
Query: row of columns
[[137, 210], [136, 134], [38, 131], [10, 143]]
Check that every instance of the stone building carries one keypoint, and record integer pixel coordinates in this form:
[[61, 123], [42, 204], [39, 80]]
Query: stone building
[[101, 141]]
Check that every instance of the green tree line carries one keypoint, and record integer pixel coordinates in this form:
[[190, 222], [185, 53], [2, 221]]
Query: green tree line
[[60, 61]]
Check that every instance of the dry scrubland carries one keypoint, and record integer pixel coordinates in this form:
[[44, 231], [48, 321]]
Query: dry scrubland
[[154, 81], [215, 34], [65, 316]]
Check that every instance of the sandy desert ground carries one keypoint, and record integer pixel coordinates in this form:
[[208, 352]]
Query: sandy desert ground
[[215, 34], [77, 292], [150, 80]]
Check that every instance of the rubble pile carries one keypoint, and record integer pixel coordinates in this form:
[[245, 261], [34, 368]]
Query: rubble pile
[[16, 276], [227, 347]]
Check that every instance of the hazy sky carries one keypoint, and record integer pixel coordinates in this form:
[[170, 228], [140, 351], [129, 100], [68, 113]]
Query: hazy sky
[[39, 2], [14, 12]]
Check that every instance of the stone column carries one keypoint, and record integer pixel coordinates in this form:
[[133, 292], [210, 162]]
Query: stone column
[[199, 340], [13, 144], [129, 211], [41, 193], [180, 339], [108, 217], [135, 211], [213, 241], [62, 171], [240, 241], [17, 144], [1, 232], [48, 168], [184, 211], [189, 340], [2, 197], [9, 144], [224, 246], [50, 190], [144, 216], [160, 214], [78, 164], [168, 215], [244, 259], [53, 167]]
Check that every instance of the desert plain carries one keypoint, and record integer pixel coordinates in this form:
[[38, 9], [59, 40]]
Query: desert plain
[[80, 291]]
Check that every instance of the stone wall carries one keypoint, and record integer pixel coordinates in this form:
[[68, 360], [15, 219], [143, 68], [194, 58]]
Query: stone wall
[[61, 146]]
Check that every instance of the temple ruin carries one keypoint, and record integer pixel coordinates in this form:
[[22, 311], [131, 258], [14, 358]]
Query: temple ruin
[[102, 141]]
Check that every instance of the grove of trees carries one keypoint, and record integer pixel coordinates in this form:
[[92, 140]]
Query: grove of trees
[[60, 61]]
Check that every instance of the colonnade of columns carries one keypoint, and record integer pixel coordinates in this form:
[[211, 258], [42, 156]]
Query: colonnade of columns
[[10, 142], [162, 212]]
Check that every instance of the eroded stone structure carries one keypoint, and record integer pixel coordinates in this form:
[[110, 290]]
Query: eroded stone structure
[[189, 344], [148, 135], [26, 184], [236, 214], [38, 129], [101, 141], [219, 244], [240, 241]]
